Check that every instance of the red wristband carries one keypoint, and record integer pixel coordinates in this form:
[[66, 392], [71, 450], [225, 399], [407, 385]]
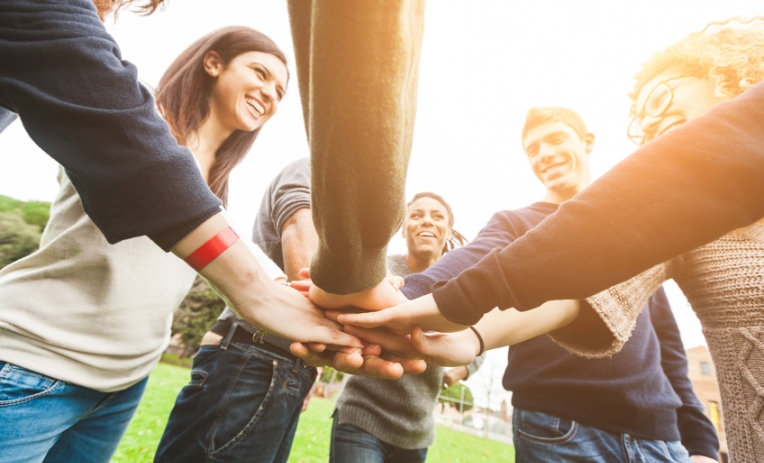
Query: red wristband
[[212, 248]]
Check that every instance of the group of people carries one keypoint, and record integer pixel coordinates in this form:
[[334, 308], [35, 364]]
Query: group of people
[[84, 319]]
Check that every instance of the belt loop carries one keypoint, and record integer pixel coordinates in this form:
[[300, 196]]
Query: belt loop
[[227, 339]]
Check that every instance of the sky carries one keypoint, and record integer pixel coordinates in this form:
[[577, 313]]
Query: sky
[[484, 64]]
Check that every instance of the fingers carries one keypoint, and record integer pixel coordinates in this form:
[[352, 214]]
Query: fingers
[[366, 320], [388, 341], [332, 336], [305, 273], [378, 367], [396, 282], [410, 366]]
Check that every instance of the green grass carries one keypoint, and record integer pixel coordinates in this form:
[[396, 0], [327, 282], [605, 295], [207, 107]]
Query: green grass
[[311, 443]]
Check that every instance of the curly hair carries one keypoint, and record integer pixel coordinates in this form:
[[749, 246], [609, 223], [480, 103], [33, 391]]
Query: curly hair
[[105, 7], [730, 57]]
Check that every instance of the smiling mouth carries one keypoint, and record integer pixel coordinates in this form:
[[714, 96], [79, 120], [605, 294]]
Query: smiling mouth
[[426, 234], [257, 107], [552, 166]]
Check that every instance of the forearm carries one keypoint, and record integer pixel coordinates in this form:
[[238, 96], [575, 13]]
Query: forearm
[[686, 188], [501, 328], [298, 243], [360, 124]]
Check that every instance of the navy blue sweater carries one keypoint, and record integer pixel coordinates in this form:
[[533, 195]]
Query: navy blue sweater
[[64, 76], [643, 390], [683, 189]]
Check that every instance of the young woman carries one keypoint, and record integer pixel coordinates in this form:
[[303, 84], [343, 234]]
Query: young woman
[[391, 421], [722, 280], [84, 322]]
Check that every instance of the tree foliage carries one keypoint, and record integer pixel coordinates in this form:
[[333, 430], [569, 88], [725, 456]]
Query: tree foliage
[[197, 313], [455, 394], [17, 238]]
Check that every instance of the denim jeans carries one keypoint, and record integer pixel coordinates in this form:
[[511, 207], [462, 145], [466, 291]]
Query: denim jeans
[[43, 419], [351, 444], [242, 404], [539, 437]]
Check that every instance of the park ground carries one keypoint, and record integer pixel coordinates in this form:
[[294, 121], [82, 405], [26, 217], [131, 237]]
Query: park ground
[[311, 444]]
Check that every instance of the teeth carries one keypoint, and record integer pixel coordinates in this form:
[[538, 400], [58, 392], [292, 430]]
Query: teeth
[[256, 106], [427, 234]]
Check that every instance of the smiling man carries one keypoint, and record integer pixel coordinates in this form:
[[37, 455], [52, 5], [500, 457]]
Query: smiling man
[[636, 404]]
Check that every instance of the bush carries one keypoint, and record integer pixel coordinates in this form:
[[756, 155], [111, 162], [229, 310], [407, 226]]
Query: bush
[[17, 238], [196, 314], [36, 213]]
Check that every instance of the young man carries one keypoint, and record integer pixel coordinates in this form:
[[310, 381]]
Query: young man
[[637, 402]]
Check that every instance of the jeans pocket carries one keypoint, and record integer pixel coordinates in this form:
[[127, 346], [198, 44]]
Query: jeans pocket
[[245, 404], [546, 429], [19, 385]]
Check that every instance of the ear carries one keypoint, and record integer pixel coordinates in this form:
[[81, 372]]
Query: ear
[[213, 63], [589, 140], [403, 231]]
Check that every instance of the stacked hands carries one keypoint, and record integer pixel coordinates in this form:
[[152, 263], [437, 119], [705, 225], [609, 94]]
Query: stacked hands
[[384, 332]]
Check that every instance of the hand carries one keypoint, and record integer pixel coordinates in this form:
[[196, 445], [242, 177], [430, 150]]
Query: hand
[[401, 319], [385, 294], [454, 375], [702, 459], [445, 350], [284, 312], [306, 402], [370, 361]]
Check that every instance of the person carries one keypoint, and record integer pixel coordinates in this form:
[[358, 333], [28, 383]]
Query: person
[[640, 401], [391, 421], [674, 91], [83, 105], [245, 395], [84, 322]]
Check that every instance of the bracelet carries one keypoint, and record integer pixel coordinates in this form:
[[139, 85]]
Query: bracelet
[[480, 338], [215, 246]]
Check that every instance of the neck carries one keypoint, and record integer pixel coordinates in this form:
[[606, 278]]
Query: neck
[[205, 142], [417, 264]]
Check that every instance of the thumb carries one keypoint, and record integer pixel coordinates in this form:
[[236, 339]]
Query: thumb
[[305, 273]]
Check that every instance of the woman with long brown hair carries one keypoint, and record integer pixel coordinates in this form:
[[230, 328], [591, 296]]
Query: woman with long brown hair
[[74, 357]]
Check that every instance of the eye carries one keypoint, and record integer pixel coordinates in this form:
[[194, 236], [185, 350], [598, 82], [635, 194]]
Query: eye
[[260, 72], [557, 140], [532, 150]]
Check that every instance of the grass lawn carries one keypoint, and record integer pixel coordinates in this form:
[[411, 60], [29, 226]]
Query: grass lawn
[[311, 443]]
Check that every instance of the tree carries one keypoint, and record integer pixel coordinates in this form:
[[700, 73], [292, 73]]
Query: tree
[[17, 238], [196, 314], [455, 394]]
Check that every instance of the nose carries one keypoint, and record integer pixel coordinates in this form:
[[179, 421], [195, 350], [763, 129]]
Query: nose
[[269, 93], [546, 153]]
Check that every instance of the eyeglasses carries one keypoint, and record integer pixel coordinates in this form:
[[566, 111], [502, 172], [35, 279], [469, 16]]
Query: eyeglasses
[[656, 103]]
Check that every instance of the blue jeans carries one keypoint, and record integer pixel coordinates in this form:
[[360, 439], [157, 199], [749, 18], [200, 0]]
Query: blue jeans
[[43, 419], [539, 437], [242, 404], [351, 444]]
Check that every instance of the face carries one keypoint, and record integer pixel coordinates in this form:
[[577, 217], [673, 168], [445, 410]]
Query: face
[[426, 228], [559, 157], [690, 97], [247, 90]]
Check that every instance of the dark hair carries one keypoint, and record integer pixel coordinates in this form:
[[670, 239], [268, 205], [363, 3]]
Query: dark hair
[[457, 239], [184, 90], [538, 116]]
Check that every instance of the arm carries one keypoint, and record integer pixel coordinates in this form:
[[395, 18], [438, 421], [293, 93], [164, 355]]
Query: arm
[[357, 66], [83, 105], [697, 431], [298, 242], [686, 188], [454, 375]]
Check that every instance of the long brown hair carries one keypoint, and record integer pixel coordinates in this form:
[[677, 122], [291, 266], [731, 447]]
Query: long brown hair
[[184, 91]]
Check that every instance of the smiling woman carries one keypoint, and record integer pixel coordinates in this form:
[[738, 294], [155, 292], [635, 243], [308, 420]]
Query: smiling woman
[[218, 94]]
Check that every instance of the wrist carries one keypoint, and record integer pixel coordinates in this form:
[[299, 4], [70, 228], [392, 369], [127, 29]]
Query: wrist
[[480, 343]]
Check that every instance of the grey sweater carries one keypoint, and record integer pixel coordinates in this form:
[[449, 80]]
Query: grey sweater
[[397, 412]]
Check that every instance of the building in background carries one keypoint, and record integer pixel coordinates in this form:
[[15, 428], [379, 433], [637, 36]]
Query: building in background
[[703, 377]]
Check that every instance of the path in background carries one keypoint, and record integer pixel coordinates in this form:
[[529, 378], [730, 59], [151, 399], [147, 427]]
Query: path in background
[[311, 444]]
